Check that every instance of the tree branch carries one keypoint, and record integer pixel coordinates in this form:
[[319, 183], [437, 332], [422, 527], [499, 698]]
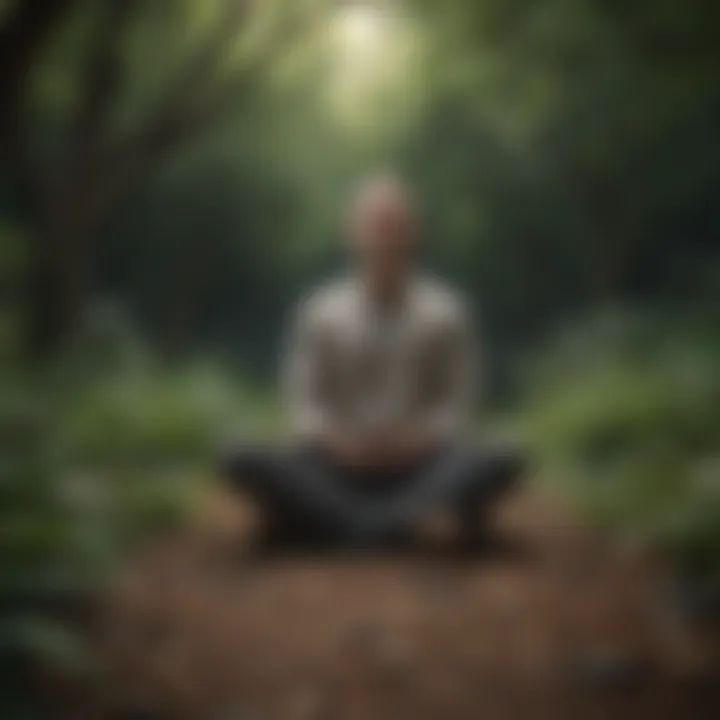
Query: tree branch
[[102, 76], [195, 101], [198, 72], [191, 104], [184, 109]]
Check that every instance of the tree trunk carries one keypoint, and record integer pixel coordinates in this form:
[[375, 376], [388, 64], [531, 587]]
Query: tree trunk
[[58, 274], [55, 292], [23, 35], [43, 323]]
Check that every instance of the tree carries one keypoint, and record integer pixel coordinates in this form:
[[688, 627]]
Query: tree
[[66, 194]]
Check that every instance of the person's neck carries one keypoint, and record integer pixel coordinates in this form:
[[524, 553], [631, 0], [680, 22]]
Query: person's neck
[[388, 291]]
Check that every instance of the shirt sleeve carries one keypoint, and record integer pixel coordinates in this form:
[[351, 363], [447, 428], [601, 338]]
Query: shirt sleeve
[[301, 371], [453, 406]]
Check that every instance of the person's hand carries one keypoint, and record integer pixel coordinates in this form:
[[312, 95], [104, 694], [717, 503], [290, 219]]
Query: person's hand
[[391, 447], [400, 446], [349, 449]]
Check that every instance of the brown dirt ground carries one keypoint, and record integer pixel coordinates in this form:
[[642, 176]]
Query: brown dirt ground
[[200, 629]]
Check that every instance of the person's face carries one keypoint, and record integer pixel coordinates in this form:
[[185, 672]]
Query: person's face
[[384, 234]]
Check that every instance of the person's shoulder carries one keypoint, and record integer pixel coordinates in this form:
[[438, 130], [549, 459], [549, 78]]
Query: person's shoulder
[[327, 300], [440, 301]]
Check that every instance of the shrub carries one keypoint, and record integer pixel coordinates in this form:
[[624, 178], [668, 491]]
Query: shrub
[[96, 453], [634, 437]]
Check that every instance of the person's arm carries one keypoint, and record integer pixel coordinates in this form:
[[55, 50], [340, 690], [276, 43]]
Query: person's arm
[[308, 416], [450, 411], [310, 412]]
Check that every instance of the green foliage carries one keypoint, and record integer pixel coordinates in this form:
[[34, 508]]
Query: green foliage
[[634, 431], [149, 418], [98, 453], [52, 552]]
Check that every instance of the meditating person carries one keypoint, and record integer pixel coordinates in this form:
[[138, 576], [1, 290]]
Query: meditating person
[[380, 374]]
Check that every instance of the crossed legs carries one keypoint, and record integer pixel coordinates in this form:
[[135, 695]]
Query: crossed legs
[[302, 493]]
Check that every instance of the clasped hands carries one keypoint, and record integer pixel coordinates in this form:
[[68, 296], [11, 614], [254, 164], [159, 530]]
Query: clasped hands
[[389, 448]]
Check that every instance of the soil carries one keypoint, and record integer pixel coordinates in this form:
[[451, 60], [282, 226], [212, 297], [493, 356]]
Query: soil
[[559, 624]]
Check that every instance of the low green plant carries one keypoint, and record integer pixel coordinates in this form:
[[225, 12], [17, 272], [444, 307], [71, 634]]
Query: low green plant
[[634, 437], [96, 453]]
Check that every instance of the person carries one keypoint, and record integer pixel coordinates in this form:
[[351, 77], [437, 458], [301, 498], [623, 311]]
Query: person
[[379, 375]]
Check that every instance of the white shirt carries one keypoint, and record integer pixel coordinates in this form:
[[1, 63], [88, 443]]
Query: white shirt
[[355, 364]]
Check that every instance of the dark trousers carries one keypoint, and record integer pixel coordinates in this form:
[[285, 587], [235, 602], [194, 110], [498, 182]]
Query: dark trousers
[[301, 489]]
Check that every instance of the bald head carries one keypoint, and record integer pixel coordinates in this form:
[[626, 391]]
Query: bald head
[[383, 228]]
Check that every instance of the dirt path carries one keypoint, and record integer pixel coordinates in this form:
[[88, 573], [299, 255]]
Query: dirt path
[[562, 630]]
